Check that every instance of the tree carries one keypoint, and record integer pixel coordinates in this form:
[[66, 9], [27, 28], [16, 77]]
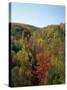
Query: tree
[[56, 73], [41, 66], [14, 76]]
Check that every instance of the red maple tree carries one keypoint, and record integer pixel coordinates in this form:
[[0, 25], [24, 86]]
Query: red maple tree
[[42, 63]]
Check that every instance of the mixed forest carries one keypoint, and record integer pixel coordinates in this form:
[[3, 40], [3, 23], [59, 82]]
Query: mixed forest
[[37, 54]]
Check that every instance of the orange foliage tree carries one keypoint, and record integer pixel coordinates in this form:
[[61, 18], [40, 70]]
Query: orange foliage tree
[[41, 66]]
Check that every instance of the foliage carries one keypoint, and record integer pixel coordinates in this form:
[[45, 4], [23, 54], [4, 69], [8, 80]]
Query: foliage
[[56, 73], [37, 55]]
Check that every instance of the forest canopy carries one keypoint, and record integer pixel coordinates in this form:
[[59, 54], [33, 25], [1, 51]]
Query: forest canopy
[[37, 54]]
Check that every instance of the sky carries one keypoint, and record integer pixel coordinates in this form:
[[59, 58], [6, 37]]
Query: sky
[[39, 15]]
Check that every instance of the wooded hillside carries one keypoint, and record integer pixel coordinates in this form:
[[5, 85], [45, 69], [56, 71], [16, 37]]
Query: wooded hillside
[[37, 55]]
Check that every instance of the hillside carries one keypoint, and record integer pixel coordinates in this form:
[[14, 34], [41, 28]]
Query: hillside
[[37, 54], [22, 27]]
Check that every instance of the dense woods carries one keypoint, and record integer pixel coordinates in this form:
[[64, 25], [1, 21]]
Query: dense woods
[[37, 54]]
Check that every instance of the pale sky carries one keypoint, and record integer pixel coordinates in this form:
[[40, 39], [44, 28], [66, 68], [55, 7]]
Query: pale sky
[[37, 14]]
